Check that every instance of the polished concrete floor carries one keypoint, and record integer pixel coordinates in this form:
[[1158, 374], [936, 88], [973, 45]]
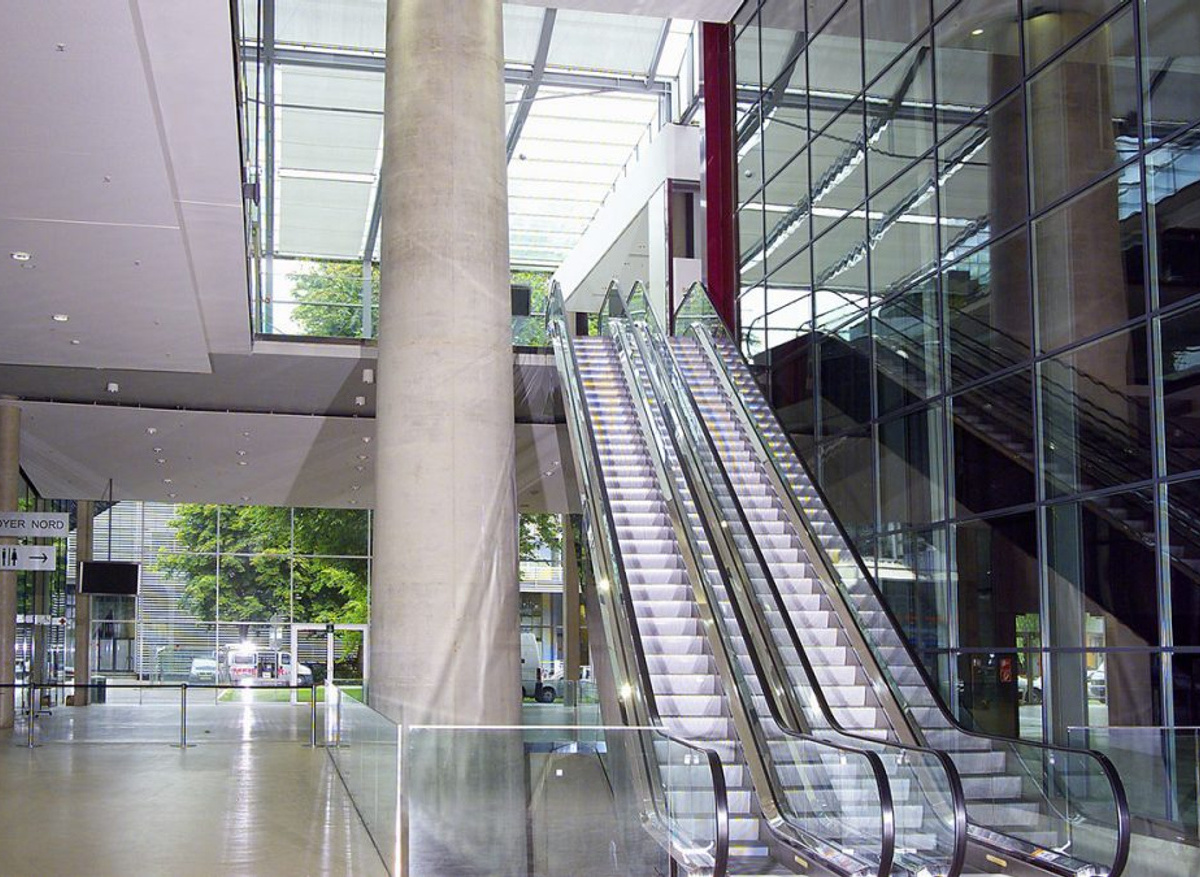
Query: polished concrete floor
[[215, 809]]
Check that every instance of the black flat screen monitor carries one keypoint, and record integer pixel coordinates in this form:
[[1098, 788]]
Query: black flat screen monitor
[[109, 577]]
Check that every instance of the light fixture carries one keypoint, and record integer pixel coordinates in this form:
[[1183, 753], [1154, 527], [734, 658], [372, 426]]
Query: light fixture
[[113, 387], [241, 453], [246, 434], [366, 439], [977, 32], [160, 461], [20, 256], [60, 318], [172, 495], [166, 481], [355, 487], [157, 450], [150, 430], [368, 376], [241, 462], [363, 457], [359, 468], [360, 401], [354, 502], [74, 340]]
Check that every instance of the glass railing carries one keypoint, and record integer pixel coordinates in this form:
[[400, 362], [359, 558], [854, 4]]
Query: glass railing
[[1068, 803], [1161, 769], [529, 800], [924, 784], [180, 714]]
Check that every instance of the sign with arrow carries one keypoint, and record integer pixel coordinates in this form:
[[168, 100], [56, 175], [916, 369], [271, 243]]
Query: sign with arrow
[[28, 557]]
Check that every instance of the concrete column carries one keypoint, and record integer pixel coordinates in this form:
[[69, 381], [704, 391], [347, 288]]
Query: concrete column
[[445, 633], [10, 485], [84, 511], [571, 632]]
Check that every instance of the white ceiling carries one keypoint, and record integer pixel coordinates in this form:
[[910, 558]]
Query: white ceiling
[[71, 451], [693, 10], [121, 179]]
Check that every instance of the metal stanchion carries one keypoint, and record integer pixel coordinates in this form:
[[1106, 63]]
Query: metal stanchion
[[32, 715], [339, 719], [183, 743], [312, 717]]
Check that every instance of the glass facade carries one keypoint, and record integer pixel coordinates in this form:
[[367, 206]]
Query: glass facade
[[970, 261]]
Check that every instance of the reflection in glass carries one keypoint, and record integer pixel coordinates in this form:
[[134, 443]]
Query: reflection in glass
[[1051, 24], [910, 469], [1088, 257], [1172, 178], [841, 38], [899, 107], [1171, 69], [978, 58], [889, 26], [903, 231], [1095, 413], [994, 445], [848, 478], [987, 296], [907, 347], [1095, 80], [1180, 342]]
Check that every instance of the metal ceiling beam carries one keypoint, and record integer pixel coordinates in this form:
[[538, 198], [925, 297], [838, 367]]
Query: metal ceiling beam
[[531, 85], [512, 75], [659, 48]]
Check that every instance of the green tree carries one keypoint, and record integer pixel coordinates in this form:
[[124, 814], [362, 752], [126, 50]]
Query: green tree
[[330, 296], [531, 331], [259, 576], [539, 531]]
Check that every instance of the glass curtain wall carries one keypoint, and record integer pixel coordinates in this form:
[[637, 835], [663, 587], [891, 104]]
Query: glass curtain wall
[[216, 576], [970, 259]]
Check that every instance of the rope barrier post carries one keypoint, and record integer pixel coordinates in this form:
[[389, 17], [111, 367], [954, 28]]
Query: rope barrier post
[[312, 717], [183, 743]]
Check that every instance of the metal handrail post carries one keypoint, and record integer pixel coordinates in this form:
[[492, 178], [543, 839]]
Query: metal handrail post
[[32, 715], [183, 743], [312, 717]]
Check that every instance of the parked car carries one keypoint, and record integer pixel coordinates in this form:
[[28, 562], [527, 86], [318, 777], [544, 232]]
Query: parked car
[[203, 671], [304, 673]]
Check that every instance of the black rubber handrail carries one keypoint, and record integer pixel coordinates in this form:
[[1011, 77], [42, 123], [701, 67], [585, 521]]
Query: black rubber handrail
[[1123, 819], [954, 782], [883, 786], [574, 389]]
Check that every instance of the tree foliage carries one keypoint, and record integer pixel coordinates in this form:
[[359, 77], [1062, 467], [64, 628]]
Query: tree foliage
[[267, 560], [531, 331], [330, 296], [538, 533]]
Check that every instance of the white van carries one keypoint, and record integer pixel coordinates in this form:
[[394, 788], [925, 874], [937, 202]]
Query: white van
[[531, 669]]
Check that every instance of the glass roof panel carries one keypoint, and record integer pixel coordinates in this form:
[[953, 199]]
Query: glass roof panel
[[522, 29], [336, 24], [512, 99], [322, 140], [322, 218], [627, 47], [330, 89]]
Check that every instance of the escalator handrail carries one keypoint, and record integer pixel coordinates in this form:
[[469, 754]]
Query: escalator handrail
[[1118, 790], [954, 781], [883, 785], [575, 390]]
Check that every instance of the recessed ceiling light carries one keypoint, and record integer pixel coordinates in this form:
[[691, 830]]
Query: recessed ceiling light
[[355, 487], [246, 434], [166, 481], [20, 256], [354, 502], [60, 318], [74, 340], [359, 468], [150, 430], [172, 495], [157, 450], [977, 32], [241, 453], [360, 401], [363, 457], [241, 462], [366, 439], [113, 387], [160, 461], [368, 375]]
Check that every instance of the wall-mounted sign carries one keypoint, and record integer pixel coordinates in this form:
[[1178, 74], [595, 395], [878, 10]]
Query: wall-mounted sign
[[25, 557], [44, 524]]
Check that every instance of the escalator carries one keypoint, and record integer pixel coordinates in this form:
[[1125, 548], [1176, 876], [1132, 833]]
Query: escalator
[[683, 653], [1031, 808]]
